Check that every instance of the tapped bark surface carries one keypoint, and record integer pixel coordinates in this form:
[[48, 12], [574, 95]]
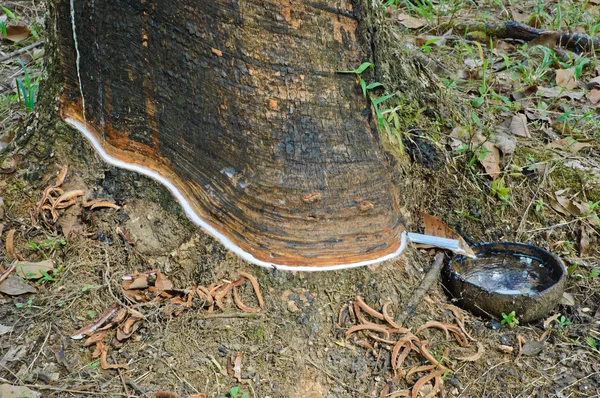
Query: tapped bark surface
[[239, 106]]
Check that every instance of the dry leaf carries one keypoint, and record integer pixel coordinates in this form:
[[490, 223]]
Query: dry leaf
[[141, 282], [519, 16], [436, 227], [10, 246], [8, 391], [545, 39], [505, 143], [594, 96], [532, 348], [567, 204], [559, 92], [567, 299], [237, 367], [15, 286], [594, 83], [162, 282], [411, 22], [584, 242], [566, 78], [518, 126], [16, 33], [569, 144], [490, 159], [29, 270]]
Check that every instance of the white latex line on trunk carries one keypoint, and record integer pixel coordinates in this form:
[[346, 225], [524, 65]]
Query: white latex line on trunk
[[209, 228], [77, 58]]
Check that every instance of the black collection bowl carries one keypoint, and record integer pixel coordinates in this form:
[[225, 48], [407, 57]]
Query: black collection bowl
[[529, 306]]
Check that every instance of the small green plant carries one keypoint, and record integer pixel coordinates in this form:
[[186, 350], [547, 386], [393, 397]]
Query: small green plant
[[46, 276], [500, 190], [567, 248], [467, 215], [363, 67], [426, 48], [93, 365], [511, 319], [592, 342], [540, 205], [86, 288], [234, 392], [29, 303], [28, 88], [594, 273], [562, 322]]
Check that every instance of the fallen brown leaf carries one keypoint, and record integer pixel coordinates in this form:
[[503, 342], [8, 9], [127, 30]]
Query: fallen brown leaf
[[566, 78], [10, 391], [29, 270], [141, 282], [584, 242], [15, 286], [17, 33], [569, 144], [411, 22], [594, 96], [10, 246], [237, 367], [162, 282], [488, 155], [518, 126], [548, 39], [436, 227]]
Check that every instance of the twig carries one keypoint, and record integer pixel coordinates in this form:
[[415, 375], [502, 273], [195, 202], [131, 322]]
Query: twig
[[72, 391], [21, 51], [39, 352], [7, 273], [477, 379], [231, 315], [419, 293], [120, 375]]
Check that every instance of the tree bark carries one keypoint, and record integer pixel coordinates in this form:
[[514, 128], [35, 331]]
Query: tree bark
[[237, 108]]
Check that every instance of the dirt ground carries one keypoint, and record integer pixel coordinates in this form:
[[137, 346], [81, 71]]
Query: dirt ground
[[297, 345]]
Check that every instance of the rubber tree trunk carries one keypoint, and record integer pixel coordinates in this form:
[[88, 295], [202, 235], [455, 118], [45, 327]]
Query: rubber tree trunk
[[236, 106]]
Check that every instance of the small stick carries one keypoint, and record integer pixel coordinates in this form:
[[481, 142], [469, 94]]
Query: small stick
[[21, 51], [419, 293], [224, 315], [120, 375], [7, 273]]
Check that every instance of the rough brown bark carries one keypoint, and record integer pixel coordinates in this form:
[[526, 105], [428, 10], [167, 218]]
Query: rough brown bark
[[239, 106]]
